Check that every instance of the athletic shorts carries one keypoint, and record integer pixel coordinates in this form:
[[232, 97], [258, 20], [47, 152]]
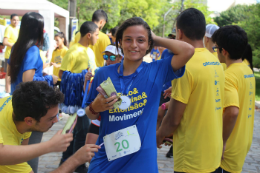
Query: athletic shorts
[[4, 65], [93, 129]]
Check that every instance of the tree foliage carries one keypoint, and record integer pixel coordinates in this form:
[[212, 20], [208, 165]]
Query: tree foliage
[[233, 15], [248, 18], [152, 11]]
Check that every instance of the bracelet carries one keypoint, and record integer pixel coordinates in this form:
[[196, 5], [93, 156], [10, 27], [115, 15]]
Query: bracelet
[[92, 110], [163, 106]]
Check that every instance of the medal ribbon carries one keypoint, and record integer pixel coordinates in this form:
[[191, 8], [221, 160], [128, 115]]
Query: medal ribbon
[[124, 89]]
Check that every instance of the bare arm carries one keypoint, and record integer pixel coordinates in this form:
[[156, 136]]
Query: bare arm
[[10, 154], [171, 120], [60, 73], [28, 75], [25, 141], [229, 121], [83, 155], [100, 104], [182, 50], [6, 43]]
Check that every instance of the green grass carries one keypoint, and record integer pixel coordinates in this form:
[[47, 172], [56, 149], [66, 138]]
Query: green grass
[[257, 89]]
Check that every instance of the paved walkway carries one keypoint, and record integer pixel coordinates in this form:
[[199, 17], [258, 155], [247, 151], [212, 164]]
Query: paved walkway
[[50, 161]]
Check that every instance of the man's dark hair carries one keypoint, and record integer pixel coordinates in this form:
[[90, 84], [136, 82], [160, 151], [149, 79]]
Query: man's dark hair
[[193, 24], [13, 15], [99, 15], [114, 30], [34, 99], [233, 39], [88, 27]]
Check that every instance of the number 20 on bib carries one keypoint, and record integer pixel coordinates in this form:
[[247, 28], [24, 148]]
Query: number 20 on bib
[[122, 143]]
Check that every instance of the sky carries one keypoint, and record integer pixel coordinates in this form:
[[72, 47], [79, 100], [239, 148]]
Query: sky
[[222, 5]]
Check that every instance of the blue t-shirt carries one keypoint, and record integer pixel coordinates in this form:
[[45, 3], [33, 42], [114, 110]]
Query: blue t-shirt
[[166, 54], [145, 94], [32, 60]]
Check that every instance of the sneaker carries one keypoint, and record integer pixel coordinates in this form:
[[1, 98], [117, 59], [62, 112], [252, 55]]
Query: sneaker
[[170, 153]]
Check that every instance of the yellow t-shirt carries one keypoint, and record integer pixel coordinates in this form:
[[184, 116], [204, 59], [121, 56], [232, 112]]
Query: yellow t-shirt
[[239, 92], [57, 57], [43, 57], [246, 62], [12, 34], [78, 58], [100, 46], [10, 136], [223, 64], [197, 142]]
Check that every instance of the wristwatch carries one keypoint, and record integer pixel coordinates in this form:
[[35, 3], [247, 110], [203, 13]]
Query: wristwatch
[[163, 106]]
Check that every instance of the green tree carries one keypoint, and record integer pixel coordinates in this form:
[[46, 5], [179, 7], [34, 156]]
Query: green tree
[[251, 24], [233, 15]]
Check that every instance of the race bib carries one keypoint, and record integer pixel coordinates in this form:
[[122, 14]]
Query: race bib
[[122, 143]]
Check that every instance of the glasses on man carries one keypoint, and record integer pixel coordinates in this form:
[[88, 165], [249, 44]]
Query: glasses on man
[[215, 48], [111, 57]]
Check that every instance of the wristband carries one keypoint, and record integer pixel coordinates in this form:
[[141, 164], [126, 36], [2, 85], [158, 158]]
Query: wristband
[[163, 106], [92, 110]]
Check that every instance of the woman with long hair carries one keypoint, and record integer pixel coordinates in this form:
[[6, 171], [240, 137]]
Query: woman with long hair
[[248, 57], [25, 63]]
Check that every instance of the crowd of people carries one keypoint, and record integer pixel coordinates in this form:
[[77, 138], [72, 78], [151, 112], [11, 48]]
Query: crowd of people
[[196, 95]]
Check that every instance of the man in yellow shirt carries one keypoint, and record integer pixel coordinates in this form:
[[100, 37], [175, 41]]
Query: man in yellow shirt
[[195, 109], [10, 37], [33, 107], [80, 57], [100, 19], [239, 102]]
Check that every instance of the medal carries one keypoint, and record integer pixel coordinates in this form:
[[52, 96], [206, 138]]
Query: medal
[[126, 102]]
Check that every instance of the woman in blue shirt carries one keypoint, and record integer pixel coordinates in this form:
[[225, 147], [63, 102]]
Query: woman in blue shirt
[[25, 63], [128, 137]]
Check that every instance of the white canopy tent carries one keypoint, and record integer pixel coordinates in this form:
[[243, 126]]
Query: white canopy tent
[[47, 9]]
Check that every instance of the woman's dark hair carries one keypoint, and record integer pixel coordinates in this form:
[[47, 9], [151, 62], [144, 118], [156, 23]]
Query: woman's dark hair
[[61, 35], [133, 22], [34, 99], [248, 55], [31, 33]]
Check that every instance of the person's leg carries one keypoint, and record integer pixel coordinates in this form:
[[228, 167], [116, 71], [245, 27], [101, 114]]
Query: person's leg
[[93, 133], [7, 78], [35, 138], [80, 131]]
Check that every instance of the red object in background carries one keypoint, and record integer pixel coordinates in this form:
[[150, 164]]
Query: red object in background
[[2, 75]]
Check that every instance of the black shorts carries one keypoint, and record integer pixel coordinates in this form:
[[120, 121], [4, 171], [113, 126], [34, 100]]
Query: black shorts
[[163, 100], [93, 129], [219, 170]]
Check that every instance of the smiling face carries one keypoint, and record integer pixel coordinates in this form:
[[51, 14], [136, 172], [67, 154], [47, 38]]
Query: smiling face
[[135, 43]]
